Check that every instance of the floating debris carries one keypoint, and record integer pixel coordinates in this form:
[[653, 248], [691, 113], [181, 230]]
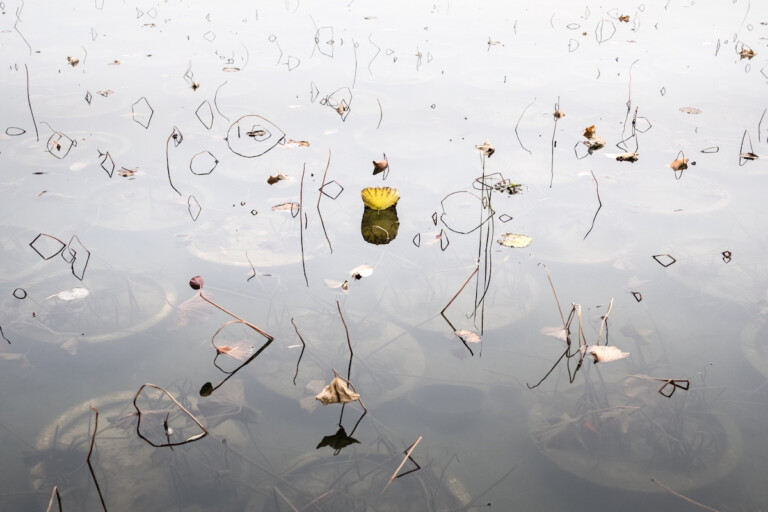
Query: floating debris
[[627, 157], [690, 110], [487, 148], [603, 354], [679, 164], [73, 61], [337, 392]]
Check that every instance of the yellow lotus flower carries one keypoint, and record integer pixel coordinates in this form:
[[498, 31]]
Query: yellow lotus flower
[[379, 198]]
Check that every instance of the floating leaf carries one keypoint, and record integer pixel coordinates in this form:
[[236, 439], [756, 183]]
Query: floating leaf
[[337, 392], [555, 332], [624, 18], [589, 131], [74, 293], [690, 110], [468, 336], [240, 350], [486, 148], [361, 271], [603, 354], [297, 144], [748, 156], [380, 198], [277, 177], [559, 114], [74, 61], [192, 311], [337, 284], [594, 143], [196, 282], [285, 207], [679, 164], [126, 173], [627, 157], [513, 240]]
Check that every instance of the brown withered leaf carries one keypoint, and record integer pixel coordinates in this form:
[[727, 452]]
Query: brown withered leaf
[[559, 114], [747, 53], [690, 110], [624, 18], [73, 61], [679, 164], [486, 148], [337, 392], [627, 157], [589, 131], [380, 166], [749, 156], [126, 173], [277, 177]]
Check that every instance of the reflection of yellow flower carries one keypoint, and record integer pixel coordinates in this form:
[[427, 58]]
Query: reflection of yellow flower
[[380, 198]]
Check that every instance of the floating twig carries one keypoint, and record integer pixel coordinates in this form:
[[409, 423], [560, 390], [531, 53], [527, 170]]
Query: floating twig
[[689, 500], [599, 205], [407, 456], [174, 135], [260, 331], [553, 144], [3, 335]]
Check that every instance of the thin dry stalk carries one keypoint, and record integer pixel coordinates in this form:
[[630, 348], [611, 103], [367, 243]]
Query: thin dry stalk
[[689, 500], [349, 343], [302, 225], [54, 494], [263, 333], [319, 196], [477, 268], [599, 205], [551, 284], [407, 456], [88, 459], [303, 346], [602, 324], [181, 407], [286, 499]]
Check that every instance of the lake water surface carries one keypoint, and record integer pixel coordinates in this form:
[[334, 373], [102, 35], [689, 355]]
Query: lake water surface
[[137, 146]]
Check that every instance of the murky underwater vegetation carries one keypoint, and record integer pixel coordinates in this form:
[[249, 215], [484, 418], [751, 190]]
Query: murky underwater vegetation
[[451, 256]]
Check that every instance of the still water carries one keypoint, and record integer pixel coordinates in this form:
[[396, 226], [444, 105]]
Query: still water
[[145, 143]]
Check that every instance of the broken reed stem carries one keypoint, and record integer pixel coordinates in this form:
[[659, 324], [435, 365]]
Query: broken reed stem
[[477, 268], [206, 299], [301, 225], [551, 284], [599, 205], [319, 196], [552, 147], [518, 124], [54, 494], [29, 101], [349, 343], [689, 500], [303, 346], [93, 437], [286, 499], [602, 324], [252, 267], [168, 163], [181, 407], [407, 455], [88, 459]]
